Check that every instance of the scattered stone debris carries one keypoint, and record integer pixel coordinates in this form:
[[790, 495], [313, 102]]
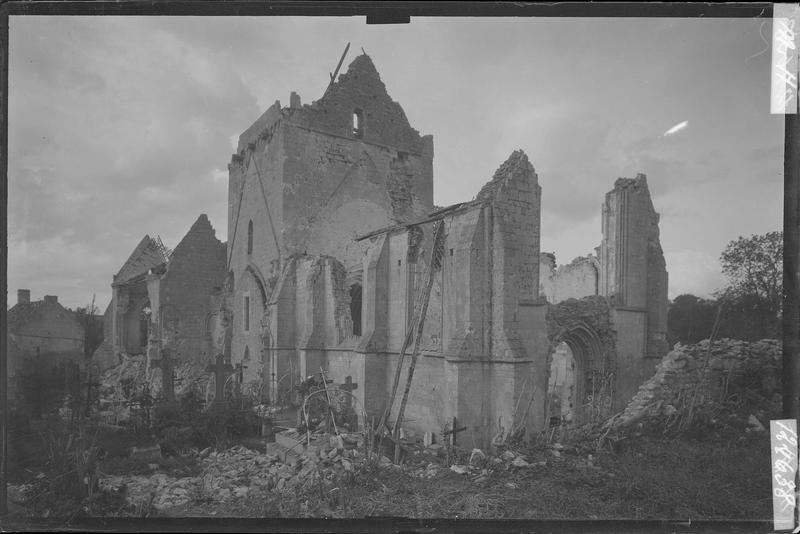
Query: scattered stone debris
[[232, 474], [703, 380]]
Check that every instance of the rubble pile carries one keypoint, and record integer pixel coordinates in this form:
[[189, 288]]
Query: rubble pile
[[235, 473], [231, 474], [738, 377], [129, 380]]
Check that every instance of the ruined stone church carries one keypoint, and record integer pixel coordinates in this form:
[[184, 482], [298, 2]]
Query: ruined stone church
[[330, 236], [333, 236]]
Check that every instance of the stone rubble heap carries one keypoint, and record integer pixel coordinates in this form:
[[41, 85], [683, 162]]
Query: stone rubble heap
[[693, 375], [120, 384], [232, 474]]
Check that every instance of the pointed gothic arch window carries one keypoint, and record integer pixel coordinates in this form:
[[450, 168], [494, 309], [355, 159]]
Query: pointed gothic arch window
[[145, 315], [246, 312], [355, 308], [358, 123], [250, 237]]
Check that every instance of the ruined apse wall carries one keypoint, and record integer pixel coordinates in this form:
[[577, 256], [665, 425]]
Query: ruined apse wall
[[633, 274], [485, 335], [312, 178]]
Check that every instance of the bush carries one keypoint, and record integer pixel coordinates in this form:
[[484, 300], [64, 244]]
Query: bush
[[186, 426]]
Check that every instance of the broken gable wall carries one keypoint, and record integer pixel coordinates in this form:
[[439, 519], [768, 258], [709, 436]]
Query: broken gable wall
[[340, 184], [633, 273], [309, 184], [195, 271]]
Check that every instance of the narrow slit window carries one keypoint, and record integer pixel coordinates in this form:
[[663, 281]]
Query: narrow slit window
[[358, 123], [247, 313], [250, 237], [355, 308]]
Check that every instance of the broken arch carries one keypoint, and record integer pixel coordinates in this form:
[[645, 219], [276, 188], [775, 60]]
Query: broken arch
[[583, 345]]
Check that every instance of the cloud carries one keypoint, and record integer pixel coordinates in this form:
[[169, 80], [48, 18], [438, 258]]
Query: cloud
[[694, 272], [121, 126]]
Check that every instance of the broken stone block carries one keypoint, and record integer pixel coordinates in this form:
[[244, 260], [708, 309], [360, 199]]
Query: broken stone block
[[477, 457], [519, 462], [755, 424], [151, 452], [459, 469], [352, 441], [306, 471]]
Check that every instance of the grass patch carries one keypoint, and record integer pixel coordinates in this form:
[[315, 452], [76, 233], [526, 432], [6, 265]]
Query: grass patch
[[649, 479]]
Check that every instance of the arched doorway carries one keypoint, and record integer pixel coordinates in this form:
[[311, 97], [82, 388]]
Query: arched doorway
[[572, 390]]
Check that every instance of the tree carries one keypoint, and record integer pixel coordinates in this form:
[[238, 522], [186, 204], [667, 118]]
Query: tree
[[754, 267], [690, 319], [92, 328]]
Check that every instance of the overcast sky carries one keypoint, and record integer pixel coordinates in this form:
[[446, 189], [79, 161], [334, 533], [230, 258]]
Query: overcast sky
[[124, 126]]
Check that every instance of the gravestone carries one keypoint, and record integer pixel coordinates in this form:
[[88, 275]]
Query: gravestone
[[222, 370]]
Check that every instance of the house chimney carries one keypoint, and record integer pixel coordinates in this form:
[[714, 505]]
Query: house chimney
[[294, 101], [23, 296], [51, 299]]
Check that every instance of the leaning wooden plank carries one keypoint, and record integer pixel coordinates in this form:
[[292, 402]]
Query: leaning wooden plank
[[433, 266]]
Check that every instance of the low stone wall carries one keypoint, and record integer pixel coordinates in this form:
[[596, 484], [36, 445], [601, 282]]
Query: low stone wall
[[739, 375]]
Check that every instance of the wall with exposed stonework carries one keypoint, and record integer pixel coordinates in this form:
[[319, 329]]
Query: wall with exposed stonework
[[196, 269], [703, 378], [310, 185], [633, 367], [575, 280], [633, 270]]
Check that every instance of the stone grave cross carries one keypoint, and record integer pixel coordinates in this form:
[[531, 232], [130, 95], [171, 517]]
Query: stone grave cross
[[222, 370], [349, 386]]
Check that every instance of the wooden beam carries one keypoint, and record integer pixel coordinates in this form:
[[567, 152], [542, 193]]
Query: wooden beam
[[335, 72]]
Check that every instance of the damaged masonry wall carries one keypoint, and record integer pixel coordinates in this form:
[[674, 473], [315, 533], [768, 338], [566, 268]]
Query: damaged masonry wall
[[307, 179], [702, 376], [161, 302], [484, 334], [330, 229]]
